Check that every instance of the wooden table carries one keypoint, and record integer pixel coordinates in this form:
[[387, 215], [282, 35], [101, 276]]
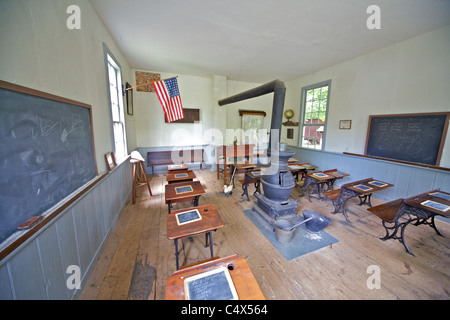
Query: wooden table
[[243, 280], [210, 221], [296, 168], [363, 189], [180, 176], [398, 214], [177, 167], [183, 191]]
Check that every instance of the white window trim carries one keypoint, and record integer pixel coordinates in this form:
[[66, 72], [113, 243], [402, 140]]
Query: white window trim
[[302, 113], [110, 59]]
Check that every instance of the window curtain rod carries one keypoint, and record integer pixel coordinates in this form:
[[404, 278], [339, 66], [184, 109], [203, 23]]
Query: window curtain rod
[[144, 84]]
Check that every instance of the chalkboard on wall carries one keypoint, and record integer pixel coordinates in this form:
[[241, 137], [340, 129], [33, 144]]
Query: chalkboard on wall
[[417, 138], [46, 153]]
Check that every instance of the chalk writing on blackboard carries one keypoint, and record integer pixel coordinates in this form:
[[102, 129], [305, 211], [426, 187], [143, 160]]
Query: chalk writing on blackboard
[[215, 284], [188, 217]]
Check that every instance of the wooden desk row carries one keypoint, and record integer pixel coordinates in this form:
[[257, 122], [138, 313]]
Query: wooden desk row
[[226, 278]]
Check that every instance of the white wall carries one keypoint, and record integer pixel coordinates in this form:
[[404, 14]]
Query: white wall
[[411, 76], [38, 51], [199, 93]]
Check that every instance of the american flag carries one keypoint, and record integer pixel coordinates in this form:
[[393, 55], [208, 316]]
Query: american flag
[[169, 96]]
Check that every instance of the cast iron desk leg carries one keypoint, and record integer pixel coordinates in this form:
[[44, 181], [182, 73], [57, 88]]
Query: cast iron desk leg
[[176, 252]]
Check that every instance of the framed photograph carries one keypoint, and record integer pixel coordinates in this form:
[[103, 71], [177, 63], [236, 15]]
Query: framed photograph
[[345, 124], [110, 161]]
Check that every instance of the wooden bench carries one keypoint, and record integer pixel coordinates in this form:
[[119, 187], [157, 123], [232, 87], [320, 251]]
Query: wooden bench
[[159, 158]]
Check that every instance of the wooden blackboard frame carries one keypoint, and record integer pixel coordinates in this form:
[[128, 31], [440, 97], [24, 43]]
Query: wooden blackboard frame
[[441, 145], [16, 240]]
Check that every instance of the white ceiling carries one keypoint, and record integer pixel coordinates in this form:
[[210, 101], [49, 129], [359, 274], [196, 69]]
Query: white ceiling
[[259, 40]]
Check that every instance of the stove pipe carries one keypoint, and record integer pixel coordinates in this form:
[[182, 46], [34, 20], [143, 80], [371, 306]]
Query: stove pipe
[[279, 90]]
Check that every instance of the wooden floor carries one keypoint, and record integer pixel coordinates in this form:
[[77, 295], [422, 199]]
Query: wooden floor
[[138, 258]]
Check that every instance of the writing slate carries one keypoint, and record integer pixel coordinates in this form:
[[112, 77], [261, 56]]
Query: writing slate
[[188, 216], [211, 285], [415, 138], [46, 153]]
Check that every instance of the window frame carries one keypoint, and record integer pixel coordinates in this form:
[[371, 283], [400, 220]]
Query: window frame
[[111, 61], [302, 124]]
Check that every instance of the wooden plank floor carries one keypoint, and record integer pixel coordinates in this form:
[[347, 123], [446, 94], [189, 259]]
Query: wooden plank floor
[[138, 258]]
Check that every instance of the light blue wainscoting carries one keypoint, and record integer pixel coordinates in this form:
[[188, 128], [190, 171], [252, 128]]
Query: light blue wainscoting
[[37, 269], [408, 180]]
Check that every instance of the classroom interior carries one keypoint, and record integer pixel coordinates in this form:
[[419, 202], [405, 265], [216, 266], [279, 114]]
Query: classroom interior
[[119, 240]]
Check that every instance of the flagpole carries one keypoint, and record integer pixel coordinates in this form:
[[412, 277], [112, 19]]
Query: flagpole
[[141, 85]]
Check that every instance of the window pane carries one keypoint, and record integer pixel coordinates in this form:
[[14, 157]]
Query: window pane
[[315, 110]]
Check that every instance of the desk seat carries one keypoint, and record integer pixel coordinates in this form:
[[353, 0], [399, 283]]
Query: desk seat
[[388, 211], [332, 194]]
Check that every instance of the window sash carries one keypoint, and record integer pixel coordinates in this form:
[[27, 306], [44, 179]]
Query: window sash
[[315, 102], [117, 109]]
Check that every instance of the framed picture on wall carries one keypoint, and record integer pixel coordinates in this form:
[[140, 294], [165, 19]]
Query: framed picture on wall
[[110, 161], [345, 124]]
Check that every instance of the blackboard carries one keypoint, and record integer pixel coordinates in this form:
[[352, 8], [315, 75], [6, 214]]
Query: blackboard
[[46, 153], [211, 285], [415, 138]]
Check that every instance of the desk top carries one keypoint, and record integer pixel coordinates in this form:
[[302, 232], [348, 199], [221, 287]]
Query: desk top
[[336, 173], [320, 176], [176, 191], [210, 220], [180, 176], [245, 283], [435, 202], [175, 167], [367, 186]]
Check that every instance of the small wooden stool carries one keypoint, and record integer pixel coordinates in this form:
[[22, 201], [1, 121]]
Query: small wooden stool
[[139, 178]]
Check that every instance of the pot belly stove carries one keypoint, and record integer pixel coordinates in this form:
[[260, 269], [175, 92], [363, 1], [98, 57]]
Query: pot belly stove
[[276, 202]]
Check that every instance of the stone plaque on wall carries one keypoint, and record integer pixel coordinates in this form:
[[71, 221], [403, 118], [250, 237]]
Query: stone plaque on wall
[[146, 77]]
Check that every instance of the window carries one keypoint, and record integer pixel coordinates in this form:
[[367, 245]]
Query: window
[[117, 112], [314, 115]]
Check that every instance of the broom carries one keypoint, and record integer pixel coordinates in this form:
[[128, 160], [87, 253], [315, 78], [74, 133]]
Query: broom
[[229, 189]]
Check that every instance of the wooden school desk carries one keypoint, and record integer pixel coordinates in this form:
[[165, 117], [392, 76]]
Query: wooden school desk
[[180, 176], [420, 209], [183, 191], [363, 189], [243, 280], [210, 220]]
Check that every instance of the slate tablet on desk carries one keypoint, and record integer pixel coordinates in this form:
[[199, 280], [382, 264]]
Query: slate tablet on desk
[[188, 217], [215, 284]]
